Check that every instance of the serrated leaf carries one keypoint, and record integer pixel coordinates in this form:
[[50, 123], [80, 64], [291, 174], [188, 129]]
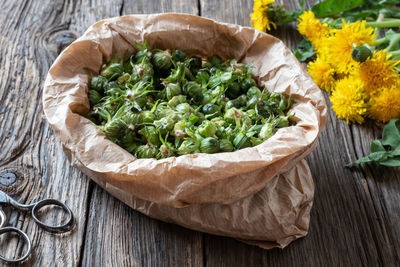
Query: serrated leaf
[[391, 134], [376, 146], [333, 7], [304, 51], [378, 156]]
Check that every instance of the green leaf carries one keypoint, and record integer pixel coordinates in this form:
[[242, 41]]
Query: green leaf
[[225, 77], [333, 7], [391, 134], [304, 51], [378, 156], [361, 160], [376, 146], [396, 152], [391, 163], [390, 138], [393, 39]]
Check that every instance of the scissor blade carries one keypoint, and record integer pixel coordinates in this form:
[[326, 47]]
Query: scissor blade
[[4, 198], [2, 218]]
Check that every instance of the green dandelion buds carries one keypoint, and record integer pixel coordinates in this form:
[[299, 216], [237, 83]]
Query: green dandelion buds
[[361, 53]]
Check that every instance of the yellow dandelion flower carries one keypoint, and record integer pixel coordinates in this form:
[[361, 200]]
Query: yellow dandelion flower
[[378, 72], [322, 73], [259, 17], [348, 101], [341, 44], [312, 28], [385, 105]]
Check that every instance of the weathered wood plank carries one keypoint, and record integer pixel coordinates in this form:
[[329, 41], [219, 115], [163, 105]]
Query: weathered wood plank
[[120, 236], [29, 41], [355, 218]]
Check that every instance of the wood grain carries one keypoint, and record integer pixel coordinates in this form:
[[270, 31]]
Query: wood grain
[[27, 145], [355, 220]]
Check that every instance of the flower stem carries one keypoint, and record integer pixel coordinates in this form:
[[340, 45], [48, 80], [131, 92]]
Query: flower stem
[[384, 24], [380, 41], [394, 42], [395, 54]]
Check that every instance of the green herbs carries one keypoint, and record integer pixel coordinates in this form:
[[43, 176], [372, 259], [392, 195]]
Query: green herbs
[[387, 151], [159, 104]]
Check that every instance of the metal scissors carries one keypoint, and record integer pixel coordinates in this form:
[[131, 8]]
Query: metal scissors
[[6, 200]]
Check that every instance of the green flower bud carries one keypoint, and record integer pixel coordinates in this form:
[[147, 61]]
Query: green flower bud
[[222, 101], [143, 55], [207, 129], [179, 129], [98, 83], [126, 77], [115, 128], [239, 102], [214, 60], [361, 53], [173, 89], [178, 55], [209, 145], [247, 83], [252, 102], [267, 130], [176, 100], [113, 70], [147, 116], [241, 141], [225, 145], [166, 150], [151, 135], [194, 64], [164, 125], [162, 60], [188, 146], [207, 98], [252, 114], [112, 88], [233, 90], [202, 77], [184, 109], [232, 114], [254, 91], [193, 89], [132, 119], [146, 151], [198, 118], [128, 142], [132, 148], [94, 97], [142, 72], [210, 109]]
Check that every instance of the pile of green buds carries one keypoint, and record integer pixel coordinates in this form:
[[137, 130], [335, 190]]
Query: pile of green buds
[[159, 104]]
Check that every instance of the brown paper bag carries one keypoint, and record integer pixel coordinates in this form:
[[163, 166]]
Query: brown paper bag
[[262, 195]]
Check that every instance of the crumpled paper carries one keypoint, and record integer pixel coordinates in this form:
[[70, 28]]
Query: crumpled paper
[[261, 195]]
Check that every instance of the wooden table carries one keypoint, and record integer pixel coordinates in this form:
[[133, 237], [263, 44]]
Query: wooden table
[[355, 220]]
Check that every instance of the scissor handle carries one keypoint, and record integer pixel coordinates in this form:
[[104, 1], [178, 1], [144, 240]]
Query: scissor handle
[[21, 235], [67, 226]]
